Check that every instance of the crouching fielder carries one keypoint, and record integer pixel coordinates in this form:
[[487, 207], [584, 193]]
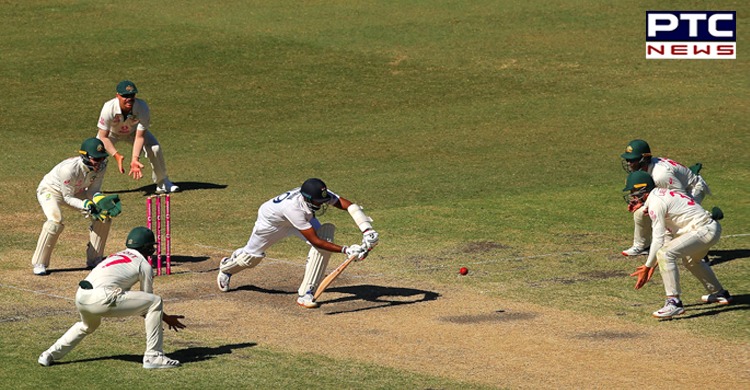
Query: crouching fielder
[[105, 292], [293, 213], [694, 232]]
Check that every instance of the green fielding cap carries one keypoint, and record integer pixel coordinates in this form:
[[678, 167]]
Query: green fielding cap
[[126, 87]]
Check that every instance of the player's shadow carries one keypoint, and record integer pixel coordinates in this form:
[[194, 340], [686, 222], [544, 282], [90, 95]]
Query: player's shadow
[[250, 287], [695, 310], [379, 295], [722, 256], [185, 355], [189, 259], [150, 189]]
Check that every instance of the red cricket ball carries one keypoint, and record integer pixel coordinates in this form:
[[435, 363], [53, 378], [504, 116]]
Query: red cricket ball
[[463, 271]]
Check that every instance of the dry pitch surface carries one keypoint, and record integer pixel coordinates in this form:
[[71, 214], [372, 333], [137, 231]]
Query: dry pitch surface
[[440, 330]]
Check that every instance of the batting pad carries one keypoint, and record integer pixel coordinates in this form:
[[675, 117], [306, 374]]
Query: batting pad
[[239, 261], [98, 233], [317, 261], [47, 240]]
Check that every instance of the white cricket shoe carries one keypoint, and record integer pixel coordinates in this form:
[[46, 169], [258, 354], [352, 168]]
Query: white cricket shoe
[[307, 301], [222, 279], [635, 251], [45, 359], [672, 307], [167, 187], [722, 298], [40, 270], [158, 360]]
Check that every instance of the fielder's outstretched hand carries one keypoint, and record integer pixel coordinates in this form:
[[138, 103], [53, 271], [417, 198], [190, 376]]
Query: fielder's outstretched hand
[[135, 170], [173, 321], [644, 274], [119, 157]]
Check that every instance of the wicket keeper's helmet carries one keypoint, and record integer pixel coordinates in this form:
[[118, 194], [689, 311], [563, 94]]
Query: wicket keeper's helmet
[[93, 153], [638, 185], [637, 154], [142, 240]]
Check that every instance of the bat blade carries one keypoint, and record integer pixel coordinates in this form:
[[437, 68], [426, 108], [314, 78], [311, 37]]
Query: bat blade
[[332, 276]]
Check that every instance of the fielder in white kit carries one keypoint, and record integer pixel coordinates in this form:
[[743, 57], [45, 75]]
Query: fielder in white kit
[[694, 232], [293, 213], [105, 292], [74, 182], [666, 173], [127, 118]]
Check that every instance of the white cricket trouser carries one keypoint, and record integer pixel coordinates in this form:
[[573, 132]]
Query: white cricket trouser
[[691, 248], [152, 150], [51, 204], [112, 302], [262, 239]]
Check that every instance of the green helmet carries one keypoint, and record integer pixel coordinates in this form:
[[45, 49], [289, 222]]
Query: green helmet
[[637, 155], [93, 147], [638, 185], [636, 149], [93, 154], [142, 240]]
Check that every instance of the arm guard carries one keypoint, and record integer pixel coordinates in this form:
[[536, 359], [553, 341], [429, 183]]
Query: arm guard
[[362, 220]]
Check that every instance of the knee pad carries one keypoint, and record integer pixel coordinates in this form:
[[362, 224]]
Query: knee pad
[[239, 261], [51, 231]]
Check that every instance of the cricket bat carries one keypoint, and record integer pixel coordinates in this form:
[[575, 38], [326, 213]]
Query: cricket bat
[[332, 276]]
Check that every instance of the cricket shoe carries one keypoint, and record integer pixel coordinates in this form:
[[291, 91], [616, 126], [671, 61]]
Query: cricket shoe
[[635, 251], [158, 360], [307, 301], [45, 359], [722, 298], [223, 280], [40, 270], [167, 187], [672, 307]]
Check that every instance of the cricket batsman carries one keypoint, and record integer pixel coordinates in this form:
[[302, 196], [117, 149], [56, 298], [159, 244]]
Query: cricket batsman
[[294, 213]]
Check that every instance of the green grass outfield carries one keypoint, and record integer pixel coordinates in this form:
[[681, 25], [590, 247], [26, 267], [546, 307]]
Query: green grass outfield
[[483, 134]]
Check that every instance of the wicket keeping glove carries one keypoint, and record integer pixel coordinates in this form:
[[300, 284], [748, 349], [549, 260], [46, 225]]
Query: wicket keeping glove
[[109, 205]]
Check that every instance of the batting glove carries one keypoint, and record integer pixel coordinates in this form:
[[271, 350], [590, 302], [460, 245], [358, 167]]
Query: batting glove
[[370, 239]]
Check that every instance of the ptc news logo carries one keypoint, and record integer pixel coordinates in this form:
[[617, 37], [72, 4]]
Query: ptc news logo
[[691, 35]]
